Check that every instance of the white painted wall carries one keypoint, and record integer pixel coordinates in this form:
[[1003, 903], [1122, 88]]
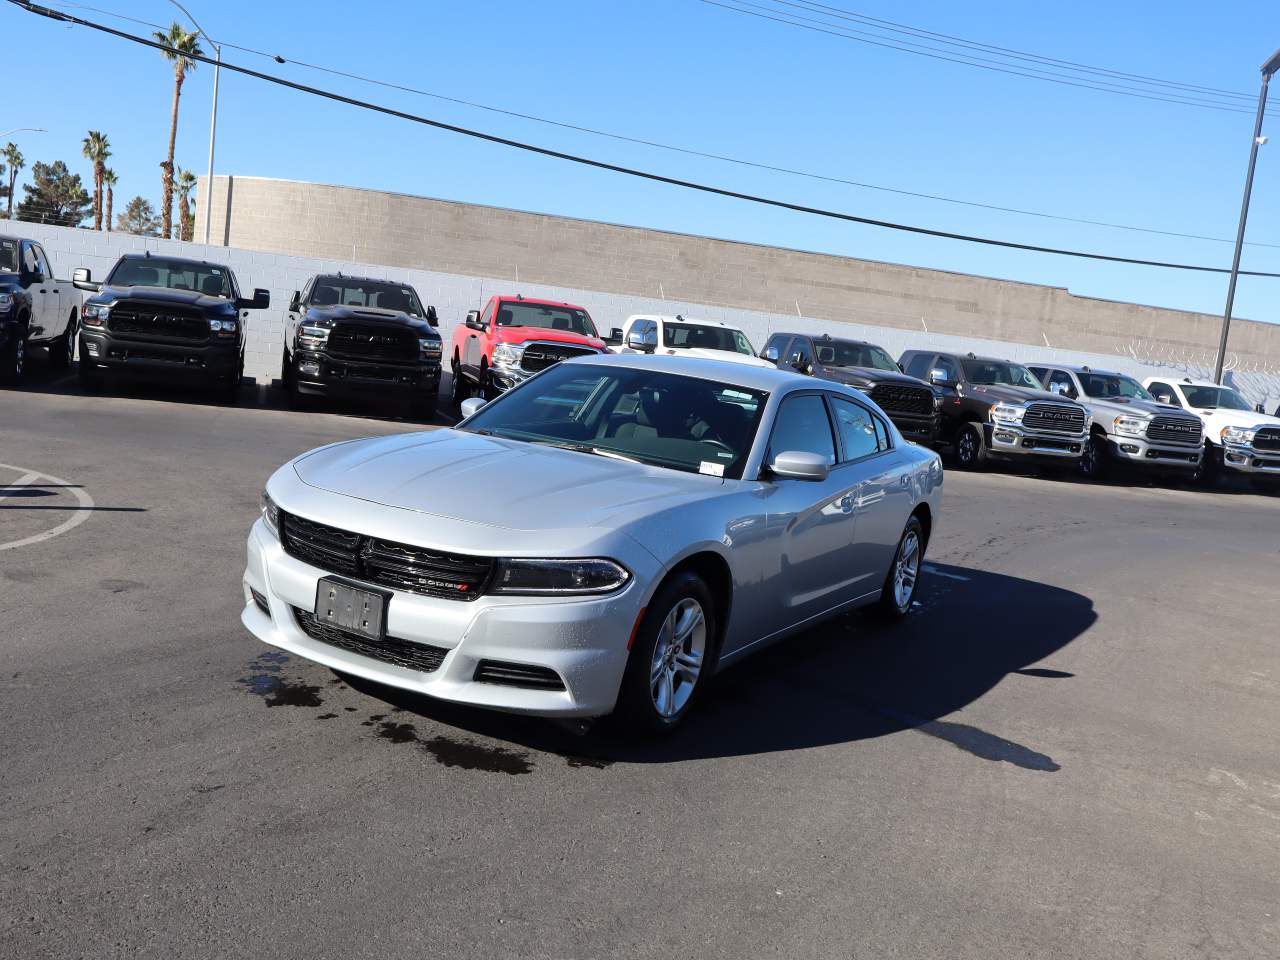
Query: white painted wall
[[453, 295]]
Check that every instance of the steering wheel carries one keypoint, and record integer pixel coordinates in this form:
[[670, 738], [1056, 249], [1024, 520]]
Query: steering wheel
[[721, 444]]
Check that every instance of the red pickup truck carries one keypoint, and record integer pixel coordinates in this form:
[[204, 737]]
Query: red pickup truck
[[513, 338]]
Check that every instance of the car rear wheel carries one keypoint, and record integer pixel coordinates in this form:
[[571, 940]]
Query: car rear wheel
[[670, 657], [903, 579], [971, 447]]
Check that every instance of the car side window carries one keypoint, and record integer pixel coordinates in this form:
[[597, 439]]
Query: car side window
[[29, 261], [1061, 377], [800, 354], [776, 348], [1164, 393], [860, 433], [42, 260], [802, 424], [919, 365], [1039, 372]]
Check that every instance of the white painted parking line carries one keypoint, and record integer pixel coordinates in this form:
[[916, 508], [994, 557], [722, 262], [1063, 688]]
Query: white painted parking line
[[27, 478], [934, 571]]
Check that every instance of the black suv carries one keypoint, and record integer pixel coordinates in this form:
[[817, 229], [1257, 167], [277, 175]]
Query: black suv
[[910, 402], [348, 336], [165, 316]]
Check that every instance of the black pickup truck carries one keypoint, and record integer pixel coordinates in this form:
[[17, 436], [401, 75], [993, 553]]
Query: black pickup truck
[[168, 317], [910, 403], [349, 336]]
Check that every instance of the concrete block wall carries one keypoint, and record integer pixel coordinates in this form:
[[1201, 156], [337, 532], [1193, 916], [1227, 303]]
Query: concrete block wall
[[454, 294]]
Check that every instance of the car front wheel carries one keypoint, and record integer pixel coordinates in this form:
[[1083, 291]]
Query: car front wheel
[[971, 447], [13, 358], [1093, 459], [903, 579]]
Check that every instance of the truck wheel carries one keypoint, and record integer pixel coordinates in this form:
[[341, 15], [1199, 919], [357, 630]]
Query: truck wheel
[[1206, 474], [1264, 485], [486, 387], [286, 370], [228, 391], [1093, 461], [971, 447], [13, 358], [89, 374], [62, 351], [422, 407], [460, 391]]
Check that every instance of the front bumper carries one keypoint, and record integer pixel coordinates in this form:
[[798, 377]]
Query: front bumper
[[503, 378], [1015, 442], [1247, 459], [1140, 452], [321, 374], [923, 430], [583, 640], [136, 356]]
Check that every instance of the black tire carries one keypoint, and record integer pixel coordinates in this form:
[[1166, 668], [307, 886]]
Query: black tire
[[227, 389], [894, 604], [286, 370], [422, 407], [62, 350], [1206, 474], [297, 399], [459, 387], [971, 447], [13, 358], [1265, 485], [90, 376], [486, 388], [1095, 460], [638, 711]]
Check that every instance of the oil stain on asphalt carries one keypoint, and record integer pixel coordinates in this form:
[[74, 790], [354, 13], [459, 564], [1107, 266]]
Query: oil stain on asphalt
[[266, 682]]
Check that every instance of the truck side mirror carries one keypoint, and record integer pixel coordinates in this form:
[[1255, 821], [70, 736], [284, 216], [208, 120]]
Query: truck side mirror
[[938, 377], [770, 354], [1059, 388], [260, 300], [1163, 397], [295, 302], [644, 341], [473, 320], [82, 279], [432, 318], [1259, 408], [615, 337]]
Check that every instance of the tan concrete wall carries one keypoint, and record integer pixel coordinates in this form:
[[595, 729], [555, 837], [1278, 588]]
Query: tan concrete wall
[[316, 220]]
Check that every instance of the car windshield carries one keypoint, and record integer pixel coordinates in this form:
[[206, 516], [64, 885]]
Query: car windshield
[[1113, 385], [206, 278], [517, 313], [697, 336], [999, 373], [838, 353], [661, 419], [371, 294], [8, 256], [1214, 398]]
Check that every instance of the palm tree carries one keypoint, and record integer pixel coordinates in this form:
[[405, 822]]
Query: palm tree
[[109, 178], [185, 182], [16, 162], [181, 47], [96, 150]]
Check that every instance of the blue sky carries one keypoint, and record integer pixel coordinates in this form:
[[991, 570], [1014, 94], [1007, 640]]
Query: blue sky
[[686, 73]]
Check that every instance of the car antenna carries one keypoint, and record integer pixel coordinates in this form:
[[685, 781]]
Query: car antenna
[[1085, 368], [146, 254], [971, 356], [678, 317], [519, 296]]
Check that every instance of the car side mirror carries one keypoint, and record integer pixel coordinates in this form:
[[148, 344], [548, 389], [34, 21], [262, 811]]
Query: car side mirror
[[473, 320], [260, 300], [615, 337], [799, 465], [1259, 408], [433, 318], [82, 279], [295, 302], [938, 377], [770, 354], [469, 406], [1058, 388], [645, 341], [1164, 398]]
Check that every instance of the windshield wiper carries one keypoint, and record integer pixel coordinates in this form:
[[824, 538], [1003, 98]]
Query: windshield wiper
[[586, 448]]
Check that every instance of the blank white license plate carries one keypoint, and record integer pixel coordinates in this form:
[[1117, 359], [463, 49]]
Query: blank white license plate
[[351, 608]]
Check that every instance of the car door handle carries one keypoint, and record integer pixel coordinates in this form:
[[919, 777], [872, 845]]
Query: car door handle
[[44, 291], [905, 480]]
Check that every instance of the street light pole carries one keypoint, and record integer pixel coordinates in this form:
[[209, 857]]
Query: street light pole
[[1268, 69], [213, 119], [24, 130]]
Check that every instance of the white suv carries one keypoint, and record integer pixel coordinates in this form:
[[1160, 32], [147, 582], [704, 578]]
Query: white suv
[[1237, 437], [711, 339]]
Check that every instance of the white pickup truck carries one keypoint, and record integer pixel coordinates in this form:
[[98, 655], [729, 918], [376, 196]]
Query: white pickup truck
[[712, 339], [1237, 437], [35, 309]]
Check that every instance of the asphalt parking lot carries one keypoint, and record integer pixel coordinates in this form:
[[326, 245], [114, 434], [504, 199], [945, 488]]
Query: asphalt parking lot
[[1069, 751]]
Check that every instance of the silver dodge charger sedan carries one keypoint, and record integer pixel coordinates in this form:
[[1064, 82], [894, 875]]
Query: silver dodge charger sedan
[[599, 540]]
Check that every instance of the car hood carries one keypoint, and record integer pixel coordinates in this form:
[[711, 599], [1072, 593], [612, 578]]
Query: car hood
[[190, 298], [330, 315], [1119, 405], [853, 376], [499, 483], [731, 355], [1008, 394], [1234, 418], [546, 334]]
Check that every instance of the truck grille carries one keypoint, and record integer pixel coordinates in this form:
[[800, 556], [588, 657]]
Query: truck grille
[[161, 321], [384, 562], [399, 653], [1267, 439], [380, 341], [1055, 418], [1174, 430], [901, 398], [539, 356]]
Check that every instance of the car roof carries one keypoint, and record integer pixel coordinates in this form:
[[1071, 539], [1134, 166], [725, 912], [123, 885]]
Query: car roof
[[344, 276], [728, 372], [517, 298], [679, 318], [1187, 382], [1079, 368], [191, 260], [826, 337]]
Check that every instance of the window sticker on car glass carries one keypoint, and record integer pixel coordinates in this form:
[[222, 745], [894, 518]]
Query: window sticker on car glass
[[711, 469]]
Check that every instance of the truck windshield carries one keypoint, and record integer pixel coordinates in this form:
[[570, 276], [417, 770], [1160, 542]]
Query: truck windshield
[[1214, 398], [658, 419], [999, 373], [839, 353], [206, 278], [1113, 385], [8, 256], [695, 336], [517, 313], [372, 294]]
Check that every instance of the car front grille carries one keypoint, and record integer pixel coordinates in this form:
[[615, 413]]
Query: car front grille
[[1185, 430], [1267, 439], [517, 675], [1054, 418], [901, 398], [380, 341], [399, 653], [539, 356], [385, 562], [160, 322]]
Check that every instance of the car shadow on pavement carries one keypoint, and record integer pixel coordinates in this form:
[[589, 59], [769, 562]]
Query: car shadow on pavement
[[850, 679]]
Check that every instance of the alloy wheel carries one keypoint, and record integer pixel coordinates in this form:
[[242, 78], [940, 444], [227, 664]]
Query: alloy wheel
[[71, 341], [19, 357], [968, 447], [906, 571], [1091, 457], [678, 655]]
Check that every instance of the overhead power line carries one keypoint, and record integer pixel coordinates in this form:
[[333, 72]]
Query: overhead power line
[[689, 151], [63, 17]]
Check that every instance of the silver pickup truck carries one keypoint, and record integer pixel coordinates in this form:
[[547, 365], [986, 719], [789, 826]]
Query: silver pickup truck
[[1128, 426]]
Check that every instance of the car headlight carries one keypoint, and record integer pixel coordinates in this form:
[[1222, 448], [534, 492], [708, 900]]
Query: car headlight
[[1241, 435], [270, 514], [312, 338], [430, 348], [507, 354], [222, 328], [1007, 413], [94, 314], [1130, 426], [559, 577]]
